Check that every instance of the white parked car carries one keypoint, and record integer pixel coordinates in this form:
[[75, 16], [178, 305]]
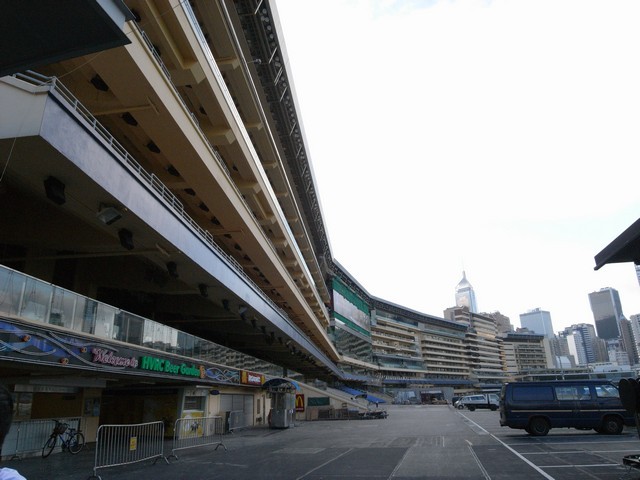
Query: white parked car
[[490, 401]]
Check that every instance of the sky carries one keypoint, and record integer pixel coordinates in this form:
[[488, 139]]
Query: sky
[[500, 138]]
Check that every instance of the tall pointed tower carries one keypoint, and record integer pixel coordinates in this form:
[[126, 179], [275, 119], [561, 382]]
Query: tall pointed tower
[[465, 296]]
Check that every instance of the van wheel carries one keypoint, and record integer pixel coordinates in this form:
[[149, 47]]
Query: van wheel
[[538, 427], [612, 425], [493, 408], [471, 408]]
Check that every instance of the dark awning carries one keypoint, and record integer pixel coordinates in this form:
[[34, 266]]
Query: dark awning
[[625, 248], [281, 384]]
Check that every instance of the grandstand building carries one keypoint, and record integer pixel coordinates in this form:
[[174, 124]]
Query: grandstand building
[[483, 345], [162, 234], [161, 228]]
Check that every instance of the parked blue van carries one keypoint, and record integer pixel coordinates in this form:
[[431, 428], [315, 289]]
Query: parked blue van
[[536, 407]]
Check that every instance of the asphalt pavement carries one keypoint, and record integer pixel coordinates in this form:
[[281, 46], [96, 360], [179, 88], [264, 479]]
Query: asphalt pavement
[[415, 442]]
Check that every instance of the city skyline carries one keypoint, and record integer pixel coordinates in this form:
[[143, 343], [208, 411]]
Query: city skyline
[[517, 322], [437, 146]]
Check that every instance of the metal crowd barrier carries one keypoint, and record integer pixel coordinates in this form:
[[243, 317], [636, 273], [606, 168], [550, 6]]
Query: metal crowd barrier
[[29, 436], [197, 432], [124, 444], [236, 420]]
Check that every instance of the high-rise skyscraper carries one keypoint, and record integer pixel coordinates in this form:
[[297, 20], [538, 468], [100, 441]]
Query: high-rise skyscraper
[[583, 336], [635, 332], [607, 312], [628, 341], [538, 321], [576, 345], [465, 296]]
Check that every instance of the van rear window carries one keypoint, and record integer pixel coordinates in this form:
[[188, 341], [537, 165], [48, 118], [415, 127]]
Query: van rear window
[[532, 393]]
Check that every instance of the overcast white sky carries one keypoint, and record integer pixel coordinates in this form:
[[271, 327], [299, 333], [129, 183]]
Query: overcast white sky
[[499, 137]]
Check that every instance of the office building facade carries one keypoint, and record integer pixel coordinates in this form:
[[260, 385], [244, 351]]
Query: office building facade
[[607, 312], [635, 332], [537, 321], [582, 343], [525, 353]]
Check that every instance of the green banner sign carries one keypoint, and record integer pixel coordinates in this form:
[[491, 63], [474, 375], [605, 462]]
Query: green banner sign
[[163, 365]]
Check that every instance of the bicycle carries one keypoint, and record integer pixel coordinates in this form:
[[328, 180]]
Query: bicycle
[[72, 439]]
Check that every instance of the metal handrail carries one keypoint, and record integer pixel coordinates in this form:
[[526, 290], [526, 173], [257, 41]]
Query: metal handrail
[[211, 60], [165, 195], [209, 55]]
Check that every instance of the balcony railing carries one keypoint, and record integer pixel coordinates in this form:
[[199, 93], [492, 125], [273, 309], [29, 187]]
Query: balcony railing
[[163, 193], [197, 30], [28, 298]]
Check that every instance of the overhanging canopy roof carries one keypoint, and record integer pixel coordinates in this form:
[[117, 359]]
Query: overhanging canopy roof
[[281, 384], [34, 33], [625, 248]]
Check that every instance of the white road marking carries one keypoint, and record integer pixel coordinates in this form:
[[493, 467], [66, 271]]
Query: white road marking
[[528, 462], [325, 463], [393, 474], [480, 466], [555, 452], [583, 466]]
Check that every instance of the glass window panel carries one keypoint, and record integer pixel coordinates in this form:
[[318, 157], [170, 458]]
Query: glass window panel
[[120, 324], [164, 337], [567, 393], [156, 335], [193, 403], [213, 351], [160, 337], [11, 284], [185, 344], [105, 320], [135, 329], [85, 315], [351, 345], [62, 310], [35, 303], [149, 333], [606, 391], [173, 340], [197, 347]]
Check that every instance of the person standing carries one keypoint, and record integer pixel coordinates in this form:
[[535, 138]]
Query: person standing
[[6, 417]]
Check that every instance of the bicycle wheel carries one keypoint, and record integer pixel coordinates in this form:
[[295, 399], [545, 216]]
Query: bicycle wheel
[[49, 445], [76, 443]]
